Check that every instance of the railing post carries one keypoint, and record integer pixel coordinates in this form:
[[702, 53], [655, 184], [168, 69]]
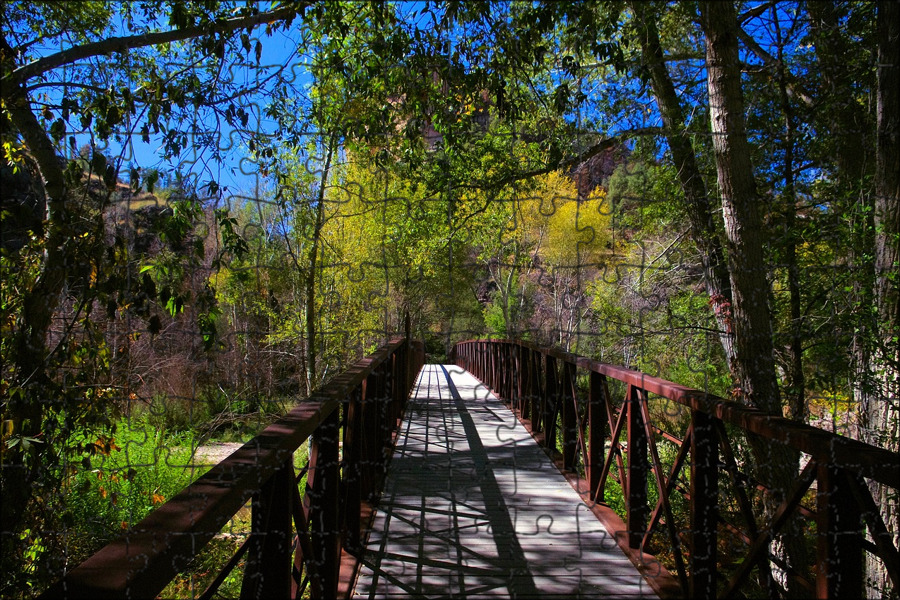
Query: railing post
[[638, 466], [351, 479], [371, 453], [551, 402], [385, 413], [323, 483], [839, 552], [537, 394], [569, 398], [491, 350], [480, 359], [499, 370], [267, 573], [506, 348], [519, 374], [510, 373], [525, 376], [485, 362], [704, 507], [395, 391], [499, 359], [597, 423]]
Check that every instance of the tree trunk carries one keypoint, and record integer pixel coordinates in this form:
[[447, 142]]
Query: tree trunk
[[754, 362], [846, 123], [698, 204], [39, 305], [846, 119], [882, 414], [311, 342], [796, 386], [754, 350]]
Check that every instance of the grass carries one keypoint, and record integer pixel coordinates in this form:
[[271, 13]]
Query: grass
[[145, 467], [151, 458], [164, 466]]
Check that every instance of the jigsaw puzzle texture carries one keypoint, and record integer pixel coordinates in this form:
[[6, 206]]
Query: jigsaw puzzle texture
[[690, 390]]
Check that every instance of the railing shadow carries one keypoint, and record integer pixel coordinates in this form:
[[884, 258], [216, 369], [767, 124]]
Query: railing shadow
[[473, 508]]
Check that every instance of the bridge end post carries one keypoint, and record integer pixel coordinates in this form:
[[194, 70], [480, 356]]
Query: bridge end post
[[267, 573], [596, 433], [637, 470], [704, 505], [324, 507], [840, 539]]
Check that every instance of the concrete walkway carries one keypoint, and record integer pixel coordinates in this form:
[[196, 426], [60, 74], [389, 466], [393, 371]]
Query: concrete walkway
[[473, 508]]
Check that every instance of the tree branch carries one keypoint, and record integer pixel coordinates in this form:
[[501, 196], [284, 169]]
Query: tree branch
[[124, 43], [602, 146], [769, 61], [754, 12]]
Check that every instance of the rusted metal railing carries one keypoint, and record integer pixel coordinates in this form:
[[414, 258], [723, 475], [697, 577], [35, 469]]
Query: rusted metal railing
[[297, 536], [543, 387]]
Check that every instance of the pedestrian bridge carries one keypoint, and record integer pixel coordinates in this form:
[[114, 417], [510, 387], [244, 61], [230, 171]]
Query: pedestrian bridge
[[472, 507], [515, 472]]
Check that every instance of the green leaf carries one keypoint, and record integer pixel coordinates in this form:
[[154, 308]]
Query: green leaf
[[58, 130]]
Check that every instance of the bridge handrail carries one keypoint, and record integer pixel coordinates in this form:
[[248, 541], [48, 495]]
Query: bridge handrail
[[312, 528], [540, 384]]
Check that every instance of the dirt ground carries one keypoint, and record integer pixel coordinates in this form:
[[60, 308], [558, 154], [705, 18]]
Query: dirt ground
[[210, 454]]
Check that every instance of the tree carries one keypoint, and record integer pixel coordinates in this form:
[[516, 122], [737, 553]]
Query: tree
[[754, 364], [882, 418], [86, 86], [700, 207]]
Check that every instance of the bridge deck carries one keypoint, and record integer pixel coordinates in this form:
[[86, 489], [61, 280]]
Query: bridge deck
[[473, 508]]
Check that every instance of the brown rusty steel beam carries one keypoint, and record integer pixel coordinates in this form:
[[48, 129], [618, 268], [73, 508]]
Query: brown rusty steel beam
[[824, 446], [636, 505], [671, 485], [267, 573], [322, 493], [352, 469], [839, 555], [836, 456], [731, 467], [142, 562], [663, 496], [884, 547], [614, 454], [568, 406], [704, 505], [761, 543], [597, 422], [551, 402]]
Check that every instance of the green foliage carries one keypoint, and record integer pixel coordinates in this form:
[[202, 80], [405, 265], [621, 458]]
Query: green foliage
[[113, 491], [643, 196], [119, 480], [440, 182]]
